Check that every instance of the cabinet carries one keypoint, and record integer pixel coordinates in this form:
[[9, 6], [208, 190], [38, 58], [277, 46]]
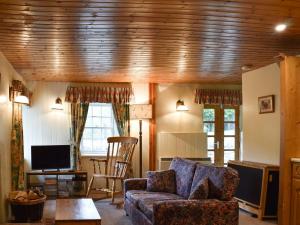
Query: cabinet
[[51, 186], [295, 201]]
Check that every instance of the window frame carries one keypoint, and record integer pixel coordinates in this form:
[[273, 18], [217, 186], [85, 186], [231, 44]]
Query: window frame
[[113, 129]]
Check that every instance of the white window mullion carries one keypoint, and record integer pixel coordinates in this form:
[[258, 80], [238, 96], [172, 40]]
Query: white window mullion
[[96, 118]]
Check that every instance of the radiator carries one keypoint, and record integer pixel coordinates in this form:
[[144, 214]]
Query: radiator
[[185, 145], [164, 162]]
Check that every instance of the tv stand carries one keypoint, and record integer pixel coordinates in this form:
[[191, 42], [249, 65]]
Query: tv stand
[[74, 174]]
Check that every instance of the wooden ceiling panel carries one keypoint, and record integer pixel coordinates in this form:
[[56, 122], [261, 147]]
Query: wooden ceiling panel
[[146, 41]]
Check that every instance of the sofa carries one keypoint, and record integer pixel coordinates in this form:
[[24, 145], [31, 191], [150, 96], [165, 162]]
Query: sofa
[[146, 207]]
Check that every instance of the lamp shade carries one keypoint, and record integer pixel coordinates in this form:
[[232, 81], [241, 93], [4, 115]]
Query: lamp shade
[[22, 99], [58, 104], [141, 111], [180, 106]]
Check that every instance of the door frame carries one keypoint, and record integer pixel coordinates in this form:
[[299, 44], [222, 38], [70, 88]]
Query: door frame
[[219, 132]]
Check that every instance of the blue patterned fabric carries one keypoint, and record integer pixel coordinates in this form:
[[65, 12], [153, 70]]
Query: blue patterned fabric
[[223, 181], [161, 181], [196, 212], [200, 191], [184, 170], [161, 208]]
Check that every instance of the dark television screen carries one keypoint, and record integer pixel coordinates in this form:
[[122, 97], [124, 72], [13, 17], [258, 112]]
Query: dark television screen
[[50, 157]]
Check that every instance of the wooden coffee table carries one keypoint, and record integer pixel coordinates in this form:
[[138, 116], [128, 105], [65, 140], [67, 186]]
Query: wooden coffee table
[[76, 211]]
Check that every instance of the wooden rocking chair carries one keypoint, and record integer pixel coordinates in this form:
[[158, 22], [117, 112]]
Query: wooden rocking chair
[[116, 165]]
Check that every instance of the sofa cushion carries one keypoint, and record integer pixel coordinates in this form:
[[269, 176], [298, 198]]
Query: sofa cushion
[[144, 200], [200, 191], [161, 181], [223, 181], [184, 170], [146, 204]]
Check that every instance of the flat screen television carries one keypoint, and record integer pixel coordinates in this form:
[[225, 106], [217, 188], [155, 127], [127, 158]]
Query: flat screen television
[[50, 157]]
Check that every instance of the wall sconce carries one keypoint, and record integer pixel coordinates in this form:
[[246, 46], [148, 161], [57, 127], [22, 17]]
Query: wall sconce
[[58, 104], [22, 98], [180, 106], [18, 93]]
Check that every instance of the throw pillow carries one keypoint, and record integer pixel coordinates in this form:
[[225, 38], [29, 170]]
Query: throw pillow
[[161, 181], [200, 191]]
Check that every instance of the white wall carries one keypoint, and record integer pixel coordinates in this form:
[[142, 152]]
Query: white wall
[[44, 126], [7, 75], [261, 132], [169, 120]]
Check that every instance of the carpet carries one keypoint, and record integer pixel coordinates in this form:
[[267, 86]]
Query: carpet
[[111, 215]]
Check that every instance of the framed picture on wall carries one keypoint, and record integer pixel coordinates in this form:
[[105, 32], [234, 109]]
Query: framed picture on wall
[[266, 104]]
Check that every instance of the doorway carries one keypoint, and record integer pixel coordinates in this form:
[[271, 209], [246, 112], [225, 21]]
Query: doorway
[[221, 123]]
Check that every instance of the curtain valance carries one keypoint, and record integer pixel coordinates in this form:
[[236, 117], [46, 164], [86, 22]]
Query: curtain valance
[[119, 94], [218, 96]]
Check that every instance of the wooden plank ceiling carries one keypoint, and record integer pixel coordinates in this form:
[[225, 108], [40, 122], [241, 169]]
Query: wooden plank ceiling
[[145, 41]]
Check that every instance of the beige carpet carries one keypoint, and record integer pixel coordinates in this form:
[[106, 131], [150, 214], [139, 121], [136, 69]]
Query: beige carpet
[[112, 216]]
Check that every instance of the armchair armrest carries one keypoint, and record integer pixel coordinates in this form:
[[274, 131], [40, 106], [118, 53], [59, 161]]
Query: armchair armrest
[[196, 212], [135, 184]]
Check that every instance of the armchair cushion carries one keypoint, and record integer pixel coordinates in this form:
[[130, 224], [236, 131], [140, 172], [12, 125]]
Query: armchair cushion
[[222, 181], [200, 191], [161, 181], [184, 170]]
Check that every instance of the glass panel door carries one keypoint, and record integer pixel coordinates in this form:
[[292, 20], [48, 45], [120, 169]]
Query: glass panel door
[[209, 128], [222, 127]]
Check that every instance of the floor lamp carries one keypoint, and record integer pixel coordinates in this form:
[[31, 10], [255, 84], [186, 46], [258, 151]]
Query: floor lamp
[[140, 112]]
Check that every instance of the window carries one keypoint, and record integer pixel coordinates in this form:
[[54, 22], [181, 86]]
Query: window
[[100, 124]]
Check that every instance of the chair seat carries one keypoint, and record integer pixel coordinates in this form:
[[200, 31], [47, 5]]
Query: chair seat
[[144, 200]]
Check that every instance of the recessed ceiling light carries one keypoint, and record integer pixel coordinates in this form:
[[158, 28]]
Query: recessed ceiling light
[[280, 27], [247, 67]]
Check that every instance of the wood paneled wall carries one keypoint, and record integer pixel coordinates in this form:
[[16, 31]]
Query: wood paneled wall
[[290, 131]]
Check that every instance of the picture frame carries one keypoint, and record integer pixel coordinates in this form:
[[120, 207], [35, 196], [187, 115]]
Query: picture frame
[[266, 104]]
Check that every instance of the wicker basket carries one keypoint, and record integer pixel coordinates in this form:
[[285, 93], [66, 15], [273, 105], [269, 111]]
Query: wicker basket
[[28, 211]]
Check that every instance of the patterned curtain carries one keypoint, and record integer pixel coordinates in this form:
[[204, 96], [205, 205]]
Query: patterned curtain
[[79, 113], [222, 97], [121, 113], [17, 148], [104, 94]]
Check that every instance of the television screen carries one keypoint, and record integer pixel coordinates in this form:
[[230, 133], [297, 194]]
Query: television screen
[[50, 157]]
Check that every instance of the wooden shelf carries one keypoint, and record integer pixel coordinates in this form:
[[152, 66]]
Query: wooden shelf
[[52, 186]]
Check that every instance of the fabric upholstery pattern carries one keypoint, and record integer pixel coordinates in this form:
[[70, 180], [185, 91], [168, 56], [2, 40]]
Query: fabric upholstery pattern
[[135, 184], [223, 181], [161, 181], [196, 212], [135, 196], [161, 208], [184, 170], [135, 214], [201, 190]]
